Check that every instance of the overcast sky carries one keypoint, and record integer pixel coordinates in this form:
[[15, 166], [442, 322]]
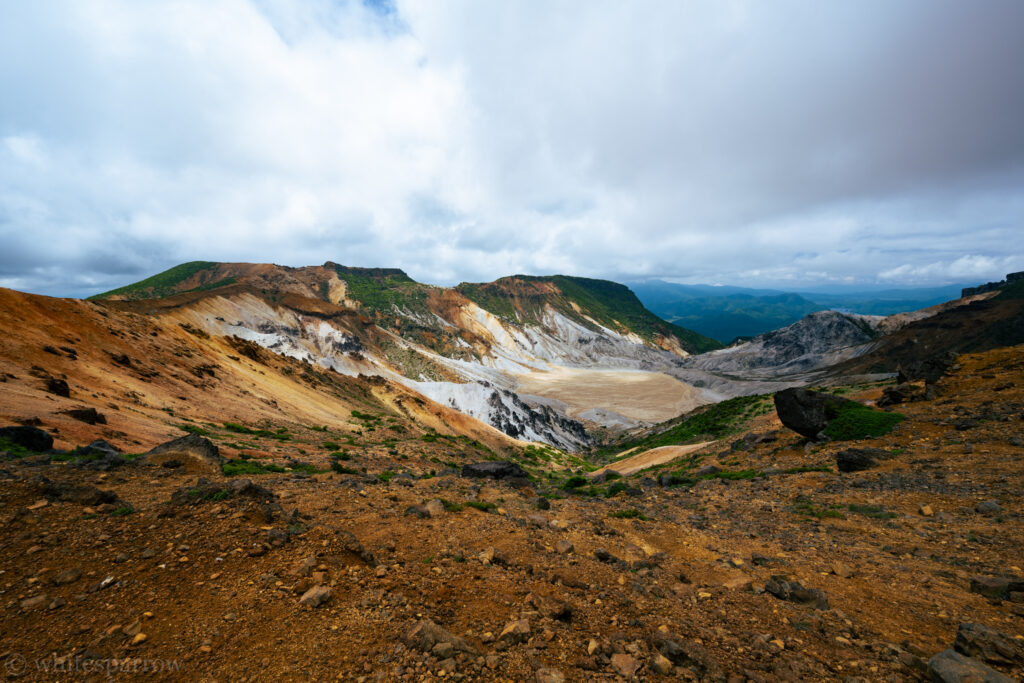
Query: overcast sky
[[768, 143]]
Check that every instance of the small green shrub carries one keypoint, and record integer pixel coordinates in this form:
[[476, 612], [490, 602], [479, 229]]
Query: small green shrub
[[481, 505], [122, 511], [340, 455], [628, 513], [615, 489], [193, 429], [855, 421], [574, 482], [330, 445], [807, 468], [234, 468], [341, 469], [237, 428]]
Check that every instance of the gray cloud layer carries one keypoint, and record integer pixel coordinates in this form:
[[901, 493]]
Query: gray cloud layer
[[745, 142]]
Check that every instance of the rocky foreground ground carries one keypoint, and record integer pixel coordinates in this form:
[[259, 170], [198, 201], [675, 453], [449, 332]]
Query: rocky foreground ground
[[907, 567]]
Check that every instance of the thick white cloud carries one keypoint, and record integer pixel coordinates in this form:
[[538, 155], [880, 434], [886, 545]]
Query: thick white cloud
[[744, 142]]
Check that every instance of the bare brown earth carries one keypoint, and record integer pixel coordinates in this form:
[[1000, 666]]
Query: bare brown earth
[[643, 396], [647, 459], [214, 584]]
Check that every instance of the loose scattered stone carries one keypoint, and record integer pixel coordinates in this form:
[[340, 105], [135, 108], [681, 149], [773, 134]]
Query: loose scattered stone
[[515, 631], [792, 591], [988, 507], [315, 596]]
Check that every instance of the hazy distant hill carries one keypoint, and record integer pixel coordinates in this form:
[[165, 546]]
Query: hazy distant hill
[[726, 313]]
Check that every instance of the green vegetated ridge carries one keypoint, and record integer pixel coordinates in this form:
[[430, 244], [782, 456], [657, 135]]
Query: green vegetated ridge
[[166, 283], [383, 291], [713, 421], [522, 299]]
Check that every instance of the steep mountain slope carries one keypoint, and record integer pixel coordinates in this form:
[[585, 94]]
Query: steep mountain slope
[[469, 347], [816, 340], [88, 370]]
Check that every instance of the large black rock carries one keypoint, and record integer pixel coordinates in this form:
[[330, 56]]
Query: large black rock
[[807, 412], [32, 438], [500, 469]]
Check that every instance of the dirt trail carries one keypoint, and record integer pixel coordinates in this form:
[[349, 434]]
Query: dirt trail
[[655, 456]]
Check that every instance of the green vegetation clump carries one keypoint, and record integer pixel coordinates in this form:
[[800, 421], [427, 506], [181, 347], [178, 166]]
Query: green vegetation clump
[[194, 429], [17, 450], [238, 429], [808, 468], [122, 511], [629, 513], [342, 469], [574, 482], [615, 489], [872, 511], [714, 421], [805, 506], [161, 284], [234, 468], [451, 506], [481, 505], [856, 421]]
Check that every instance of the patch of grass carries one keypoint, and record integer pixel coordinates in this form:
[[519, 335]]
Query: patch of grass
[[306, 467], [234, 468], [159, 285], [628, 513], [733, 475], [317, 428], [574, 482], [807, 468], [714, 421], [615, 489], [17, 450], [482, 505], [122, 511], [872, 511], [451, 506], [855, 421], [386, 476], [330, 445], [341, 469], [807, 507], [194, 429], [238, 429], [340, 455]]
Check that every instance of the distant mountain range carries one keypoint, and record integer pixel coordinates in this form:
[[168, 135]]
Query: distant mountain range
[[727, 313]]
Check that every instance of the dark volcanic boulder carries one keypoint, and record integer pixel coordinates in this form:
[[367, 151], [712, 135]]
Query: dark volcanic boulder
[[988, 644], [82, 494], [99, 455], [857, 459], [32, 438], [806, 412], [196, 453], [949, 666], [58, 387], [87, 415], [500, 469]]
